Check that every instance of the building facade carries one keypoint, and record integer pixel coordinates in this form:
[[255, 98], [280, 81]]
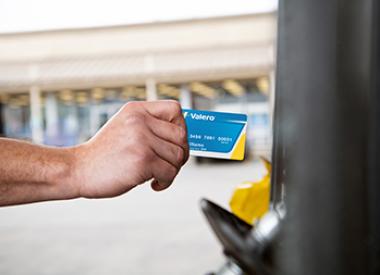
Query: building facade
[[59, 87]]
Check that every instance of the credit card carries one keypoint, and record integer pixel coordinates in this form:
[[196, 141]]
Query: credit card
[[216, 134]]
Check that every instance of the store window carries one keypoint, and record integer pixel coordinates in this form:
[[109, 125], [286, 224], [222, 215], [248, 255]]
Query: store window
[[16, 114]]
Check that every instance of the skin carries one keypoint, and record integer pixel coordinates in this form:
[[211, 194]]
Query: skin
[[144, 141]]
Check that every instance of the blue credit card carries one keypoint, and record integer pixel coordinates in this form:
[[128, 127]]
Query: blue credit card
[[216, 134]]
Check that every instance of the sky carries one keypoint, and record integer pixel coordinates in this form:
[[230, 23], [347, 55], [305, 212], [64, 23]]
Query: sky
[[33, 15]]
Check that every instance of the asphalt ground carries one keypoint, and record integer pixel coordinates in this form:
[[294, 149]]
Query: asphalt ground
[[142, 232]]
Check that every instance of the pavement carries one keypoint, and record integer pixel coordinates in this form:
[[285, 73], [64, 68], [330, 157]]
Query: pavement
[[140, 233]]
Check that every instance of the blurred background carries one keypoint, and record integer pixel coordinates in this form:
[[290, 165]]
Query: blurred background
[[66, 67]]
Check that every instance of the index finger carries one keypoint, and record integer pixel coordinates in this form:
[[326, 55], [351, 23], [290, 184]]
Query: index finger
[[169, 110]]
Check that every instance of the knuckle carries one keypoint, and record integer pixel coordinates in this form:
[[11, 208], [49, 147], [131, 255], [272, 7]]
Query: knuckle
[[182, 135], [126, 107], [131, 105], [180, 155], [175, 106], [135, 119]]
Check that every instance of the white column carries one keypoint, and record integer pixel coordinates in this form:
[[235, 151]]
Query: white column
[[51, 115], [36, 115], [150, 83], [186, 98], [151, 89]]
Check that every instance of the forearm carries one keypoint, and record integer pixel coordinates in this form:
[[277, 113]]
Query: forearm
[[31, 173], [144, 141]]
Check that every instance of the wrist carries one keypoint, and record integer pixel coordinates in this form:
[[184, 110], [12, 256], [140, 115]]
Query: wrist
[[64, 176]]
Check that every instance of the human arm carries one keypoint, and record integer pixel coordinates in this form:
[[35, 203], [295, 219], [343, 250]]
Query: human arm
[[143, 141]]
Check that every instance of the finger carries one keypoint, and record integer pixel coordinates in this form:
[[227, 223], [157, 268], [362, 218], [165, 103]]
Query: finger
[[156, 186], [168, 131], [175, 133], [168, 151], [163, 174], [169, 110]]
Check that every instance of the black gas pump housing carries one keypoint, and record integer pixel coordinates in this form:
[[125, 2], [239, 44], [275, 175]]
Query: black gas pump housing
[[327, 136], [326, 155]]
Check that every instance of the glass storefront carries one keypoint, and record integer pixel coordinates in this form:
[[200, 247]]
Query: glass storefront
[[16, 115], [73, 116]]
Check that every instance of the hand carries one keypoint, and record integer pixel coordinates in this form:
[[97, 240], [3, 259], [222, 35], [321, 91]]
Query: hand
[[143, 141]]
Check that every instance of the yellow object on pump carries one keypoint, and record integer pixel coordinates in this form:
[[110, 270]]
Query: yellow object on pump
[[250, 200]]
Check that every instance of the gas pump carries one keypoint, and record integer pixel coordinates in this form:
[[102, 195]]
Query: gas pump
[[247, 232], [324, 215], [246, 247]]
